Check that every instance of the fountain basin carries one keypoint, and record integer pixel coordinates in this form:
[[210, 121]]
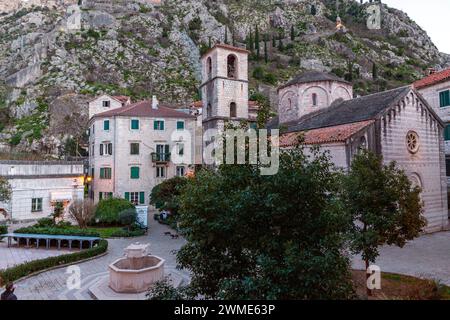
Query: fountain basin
[[135, 275]]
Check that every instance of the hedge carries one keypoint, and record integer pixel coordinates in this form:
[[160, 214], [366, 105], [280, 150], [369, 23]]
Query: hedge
[[3, 230], [108, 211], [25, 269], [66, 231]]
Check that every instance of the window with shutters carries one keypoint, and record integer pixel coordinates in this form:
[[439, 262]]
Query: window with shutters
[[134, 198], [134, 172], [134, 124], [106, 149], [106, 104], [181, 170], [444, 98], [447, 133], [106, 125], [160, 172], [180, 125], [36, 205], [180, 149], [158, 125], [105, 173], [134, 148]]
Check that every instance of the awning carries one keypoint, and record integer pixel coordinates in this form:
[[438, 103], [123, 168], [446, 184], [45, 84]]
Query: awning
[[61, 196]]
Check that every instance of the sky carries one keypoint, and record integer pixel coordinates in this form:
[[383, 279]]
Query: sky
[[430, 15]]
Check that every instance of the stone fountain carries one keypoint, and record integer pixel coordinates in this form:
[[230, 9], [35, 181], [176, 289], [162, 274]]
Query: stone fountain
[[137, 271]]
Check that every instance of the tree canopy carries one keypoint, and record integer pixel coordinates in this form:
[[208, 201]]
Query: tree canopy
[[266, 237]]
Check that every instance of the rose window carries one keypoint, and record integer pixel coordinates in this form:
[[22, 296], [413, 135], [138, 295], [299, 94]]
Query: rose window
[[412, 142]]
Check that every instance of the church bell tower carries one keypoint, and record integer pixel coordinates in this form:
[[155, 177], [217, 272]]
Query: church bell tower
[[224, 86]]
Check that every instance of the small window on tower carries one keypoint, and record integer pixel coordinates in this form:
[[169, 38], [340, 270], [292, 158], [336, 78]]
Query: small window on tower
[[209, 67], [209, 110], [314, 99], [233, 111], [232, 70]]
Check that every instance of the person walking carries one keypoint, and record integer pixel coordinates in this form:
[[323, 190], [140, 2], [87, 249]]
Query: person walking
[[9, 292]]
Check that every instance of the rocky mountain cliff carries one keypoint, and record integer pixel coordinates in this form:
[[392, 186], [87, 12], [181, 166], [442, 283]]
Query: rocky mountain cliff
[[56, 55]]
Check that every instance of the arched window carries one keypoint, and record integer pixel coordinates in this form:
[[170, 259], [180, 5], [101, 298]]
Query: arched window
[[362, 144], [314, 99], [208, 110], [209, 67], [232, 66], [233, 111]]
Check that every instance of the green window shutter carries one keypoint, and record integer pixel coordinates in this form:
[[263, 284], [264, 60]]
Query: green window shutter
[[142, 197], [100, 196], [102, 173], [106, 125], [444, 98], [162, 125], [180, 125], [127, 196], [135, 124], [167, 147], [447, 133], [134, 173]]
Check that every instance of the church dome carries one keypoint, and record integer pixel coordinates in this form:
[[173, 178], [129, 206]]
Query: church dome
[[313, 76]]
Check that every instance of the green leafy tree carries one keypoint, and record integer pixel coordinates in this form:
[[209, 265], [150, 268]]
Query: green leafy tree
[[292, 33], [374, 71], [108, 211], [253, 237], [165, 195], [274, 41], [5, 190], [264, 110], [257, 40], [385, 206], [266, 53], [226, 35], [5, 194], [250, 42], [280, 42]]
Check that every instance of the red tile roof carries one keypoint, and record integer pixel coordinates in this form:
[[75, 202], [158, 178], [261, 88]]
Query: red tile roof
[[144, 109], [334, 134], [122, 99], [433, 79]]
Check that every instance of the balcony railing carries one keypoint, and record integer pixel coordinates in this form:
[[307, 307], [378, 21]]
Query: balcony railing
[[160, 157]]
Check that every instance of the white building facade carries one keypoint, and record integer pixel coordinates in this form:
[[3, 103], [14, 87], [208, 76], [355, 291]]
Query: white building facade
[[135, 147], [37, 186]]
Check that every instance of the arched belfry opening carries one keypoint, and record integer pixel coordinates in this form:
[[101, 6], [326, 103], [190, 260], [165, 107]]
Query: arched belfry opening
[[232, 66], [233, 110], [209, 67]]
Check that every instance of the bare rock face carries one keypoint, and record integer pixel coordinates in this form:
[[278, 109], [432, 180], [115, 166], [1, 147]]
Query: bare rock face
[[55, 55], [15, 5]]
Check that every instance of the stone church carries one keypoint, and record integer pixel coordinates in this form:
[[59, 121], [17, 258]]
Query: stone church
[[399, 124]]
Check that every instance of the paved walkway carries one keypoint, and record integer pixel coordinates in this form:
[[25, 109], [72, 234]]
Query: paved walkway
[[426, 257], [13, 256], [52, 285]]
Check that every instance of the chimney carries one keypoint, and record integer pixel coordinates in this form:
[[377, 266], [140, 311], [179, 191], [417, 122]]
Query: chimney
[[155, 103]]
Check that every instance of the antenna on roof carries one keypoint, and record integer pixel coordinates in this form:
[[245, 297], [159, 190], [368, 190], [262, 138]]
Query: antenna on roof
[[155, 103]]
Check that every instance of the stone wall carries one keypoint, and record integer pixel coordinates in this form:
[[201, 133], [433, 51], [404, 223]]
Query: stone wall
[[297, 100], [427, 165]]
